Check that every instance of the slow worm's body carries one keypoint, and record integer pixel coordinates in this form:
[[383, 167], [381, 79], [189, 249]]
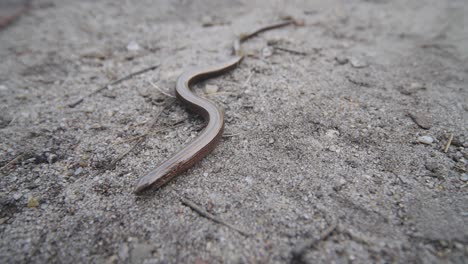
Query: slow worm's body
[[208, 138], [211, 134]]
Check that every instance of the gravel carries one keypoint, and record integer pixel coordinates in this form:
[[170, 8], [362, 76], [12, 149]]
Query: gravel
[[318, 140]]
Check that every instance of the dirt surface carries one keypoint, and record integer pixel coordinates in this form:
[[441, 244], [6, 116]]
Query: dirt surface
[[333, 153]]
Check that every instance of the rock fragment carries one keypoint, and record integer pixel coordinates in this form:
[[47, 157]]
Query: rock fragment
[[207, 21], [141, 252], [341, 60], [211, 89], [425, 140], [357, 63], [267, 52], [464, 177], [33, 202], [133, 46], [423, 120], [123, 252], [17, 196]]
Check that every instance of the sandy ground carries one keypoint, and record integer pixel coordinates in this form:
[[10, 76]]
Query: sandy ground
[[327, 156]]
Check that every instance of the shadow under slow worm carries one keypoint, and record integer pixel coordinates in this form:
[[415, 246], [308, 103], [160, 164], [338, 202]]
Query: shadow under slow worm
[[212, 133]]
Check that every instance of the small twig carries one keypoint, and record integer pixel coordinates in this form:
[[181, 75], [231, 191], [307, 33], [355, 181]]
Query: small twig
[[399, 178], [12, 162], [131, 139], [449, 142], [295, 52], [139, 141], [357, 82], [133, 74], [360, 238], [121, 156], [12, 120], [299, 252], [248, 79], [237, 50], [221, 93], [230, 135], [207, 215], [170, 126], [161, 90], [178, 122]]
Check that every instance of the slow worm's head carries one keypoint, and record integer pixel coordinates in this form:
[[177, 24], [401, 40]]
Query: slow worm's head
[[141, 186]]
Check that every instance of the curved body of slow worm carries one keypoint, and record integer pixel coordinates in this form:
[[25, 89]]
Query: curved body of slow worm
[[211, 134], [208, 138]]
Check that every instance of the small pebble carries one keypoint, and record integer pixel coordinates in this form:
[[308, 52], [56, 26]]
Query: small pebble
[[133, 46], [425, 140], [465, 155], [457, 156], [464, 177], [423, 120], [140, 252], [341, 60], [458, 246], [68, 173], [267, 52], [271, 140], [33, 202], [207, 21], [358, 63], [433, 166], [51, 158], [78, 171], [334, 149], [205, 174], [90, 109], [112, 260], [211, 89], [339, 185], [416, 86], [123, 252], [249, 180], [331, 133], [170, 74], [17, 196], [412, 88]]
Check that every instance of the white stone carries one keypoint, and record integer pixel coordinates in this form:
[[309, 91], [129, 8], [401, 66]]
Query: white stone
[[425, 140], [267, 52], [133, 46], [211, 89], [331, 133]]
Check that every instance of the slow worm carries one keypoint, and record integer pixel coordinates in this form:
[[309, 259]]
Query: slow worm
[[211, 134]]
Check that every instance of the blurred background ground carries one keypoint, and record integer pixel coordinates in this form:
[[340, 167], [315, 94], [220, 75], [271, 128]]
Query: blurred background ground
[[335, 141]]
